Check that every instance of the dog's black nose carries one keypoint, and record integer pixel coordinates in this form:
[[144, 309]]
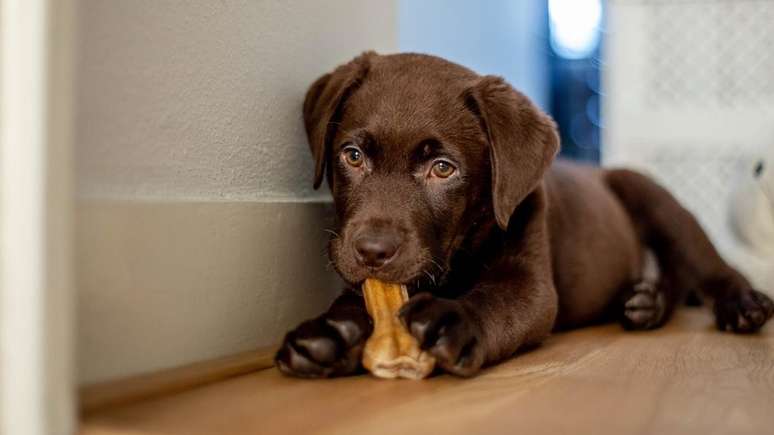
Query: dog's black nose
[[376, 250]]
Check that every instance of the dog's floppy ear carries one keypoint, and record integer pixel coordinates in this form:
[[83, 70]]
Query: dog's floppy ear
[[523, 141], [322, 107]]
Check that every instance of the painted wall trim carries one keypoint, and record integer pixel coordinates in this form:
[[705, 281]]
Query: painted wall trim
[[36, 376]]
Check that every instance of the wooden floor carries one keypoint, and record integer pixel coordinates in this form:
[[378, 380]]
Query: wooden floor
[[686, 378]]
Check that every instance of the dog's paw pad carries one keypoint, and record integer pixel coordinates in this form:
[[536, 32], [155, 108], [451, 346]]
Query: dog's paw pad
[[644, 307], [323, 347], [445, 329], [743, 312]]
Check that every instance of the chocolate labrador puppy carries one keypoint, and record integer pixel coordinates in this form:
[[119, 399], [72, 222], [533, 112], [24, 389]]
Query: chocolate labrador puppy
[[443, 180]]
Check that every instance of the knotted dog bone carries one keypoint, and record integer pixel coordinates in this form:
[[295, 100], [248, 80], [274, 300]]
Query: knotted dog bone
[[391, 352]]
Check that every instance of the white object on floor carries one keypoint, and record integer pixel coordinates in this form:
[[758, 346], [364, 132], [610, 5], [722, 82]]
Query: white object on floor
[[752, 218]]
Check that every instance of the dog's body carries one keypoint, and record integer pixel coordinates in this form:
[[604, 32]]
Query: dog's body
[[442, 180], [594, 246]]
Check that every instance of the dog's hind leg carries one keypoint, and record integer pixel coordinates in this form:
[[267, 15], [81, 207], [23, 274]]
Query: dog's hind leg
[[644, 306], [648, 303], [686, 258]]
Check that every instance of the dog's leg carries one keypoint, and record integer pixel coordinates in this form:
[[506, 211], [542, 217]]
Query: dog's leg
[[648, 303], [328, 345], [644, 306], [513, 304], [686, 255]]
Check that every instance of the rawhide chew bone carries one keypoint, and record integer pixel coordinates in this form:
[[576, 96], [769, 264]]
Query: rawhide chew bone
[[391, 352]]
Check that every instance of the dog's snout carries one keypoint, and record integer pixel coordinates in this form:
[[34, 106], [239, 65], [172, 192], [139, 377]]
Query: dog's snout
[[376, 249]]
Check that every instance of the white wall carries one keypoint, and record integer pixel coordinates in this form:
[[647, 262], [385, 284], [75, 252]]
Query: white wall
[[199, 234], [202, 99]]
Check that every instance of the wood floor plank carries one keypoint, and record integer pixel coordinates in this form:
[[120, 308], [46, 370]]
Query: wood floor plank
[[684, 378]]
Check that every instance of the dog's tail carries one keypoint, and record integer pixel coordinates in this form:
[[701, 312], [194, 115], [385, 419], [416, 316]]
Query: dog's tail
[[686, 257]]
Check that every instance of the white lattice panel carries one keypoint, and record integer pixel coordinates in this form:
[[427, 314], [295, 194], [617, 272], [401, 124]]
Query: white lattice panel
[[702, 182], [715, 53], [689, 98]]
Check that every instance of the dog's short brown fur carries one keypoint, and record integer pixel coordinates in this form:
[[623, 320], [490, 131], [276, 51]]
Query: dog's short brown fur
[[443, 180]]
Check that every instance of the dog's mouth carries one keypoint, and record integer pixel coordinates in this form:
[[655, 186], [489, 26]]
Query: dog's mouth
[[417, 271], [413, 276]]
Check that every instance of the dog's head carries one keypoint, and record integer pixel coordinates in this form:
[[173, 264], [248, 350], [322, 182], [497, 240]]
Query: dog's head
[[419, 152]]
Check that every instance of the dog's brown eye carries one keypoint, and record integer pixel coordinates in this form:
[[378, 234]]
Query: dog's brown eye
[[442, 169], [353, 156]]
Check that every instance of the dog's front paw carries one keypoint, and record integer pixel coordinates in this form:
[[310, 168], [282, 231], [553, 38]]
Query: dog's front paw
[[324, 347], [444, 328], [743, 311]]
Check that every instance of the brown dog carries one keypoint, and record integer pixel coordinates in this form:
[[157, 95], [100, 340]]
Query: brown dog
[[442, 179]]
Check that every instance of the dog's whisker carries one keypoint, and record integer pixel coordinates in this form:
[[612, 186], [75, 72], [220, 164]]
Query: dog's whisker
[[430, 275], [333, 233], [436, 264]]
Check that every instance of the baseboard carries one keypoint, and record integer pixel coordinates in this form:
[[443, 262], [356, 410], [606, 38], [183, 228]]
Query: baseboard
[[165, 284], [104, 395]]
